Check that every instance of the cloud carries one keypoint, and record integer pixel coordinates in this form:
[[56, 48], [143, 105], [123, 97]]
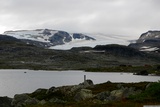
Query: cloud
[[128, 17]]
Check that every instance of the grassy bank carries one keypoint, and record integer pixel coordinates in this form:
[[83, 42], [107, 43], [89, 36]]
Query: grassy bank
[[151, 69]]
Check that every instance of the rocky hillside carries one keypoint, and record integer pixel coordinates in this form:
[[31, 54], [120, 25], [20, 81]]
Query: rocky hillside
[[15, 54], [149, 41], [88, 94]]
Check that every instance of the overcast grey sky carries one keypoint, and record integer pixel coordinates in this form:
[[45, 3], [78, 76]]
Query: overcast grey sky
[[122, 17]]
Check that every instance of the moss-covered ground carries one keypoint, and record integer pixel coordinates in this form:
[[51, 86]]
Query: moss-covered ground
[[148, 96]]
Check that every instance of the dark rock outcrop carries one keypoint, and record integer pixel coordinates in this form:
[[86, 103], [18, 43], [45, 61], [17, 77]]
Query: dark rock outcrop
[[82, 36], [83, 94], [56, 100], [143, 72], [120, 50], [87, 83], [149, 36], [149, 41], [5, 102], [79, 93], [103, 96], [21, 100], [8, 38], [60, 37]]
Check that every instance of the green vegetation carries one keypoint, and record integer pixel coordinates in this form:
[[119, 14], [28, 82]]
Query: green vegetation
[[151, 94], [148, 96], [109, 86], [151, 69]]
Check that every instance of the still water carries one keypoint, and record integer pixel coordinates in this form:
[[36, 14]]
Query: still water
[[25, 81]]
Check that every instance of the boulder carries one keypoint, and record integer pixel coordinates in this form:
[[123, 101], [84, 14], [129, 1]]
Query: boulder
[[83, 94], [76, 88], [123, 93], [56, 100], [103, 96], [50, 90], [5, 102], [63, 90], [40, 90], [87, 83], [116, 94], [31, 101], [21, 100], [70, 90]]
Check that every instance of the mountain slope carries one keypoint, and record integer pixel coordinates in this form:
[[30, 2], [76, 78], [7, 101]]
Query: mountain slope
[[55, 39], [47, 37], [15, 54], [120, 50], [101, 39], [149, 42]]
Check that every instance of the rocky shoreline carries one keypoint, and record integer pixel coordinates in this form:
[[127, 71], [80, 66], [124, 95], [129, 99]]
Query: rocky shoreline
[[97, 94]]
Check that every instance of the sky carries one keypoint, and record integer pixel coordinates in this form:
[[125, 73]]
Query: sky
[[120, 17]]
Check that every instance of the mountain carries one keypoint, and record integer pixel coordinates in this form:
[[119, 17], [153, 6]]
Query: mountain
[[15, 54], [120, 50], [149, 42], [63, 40], [5, 38], [47, 37], [101, 39]]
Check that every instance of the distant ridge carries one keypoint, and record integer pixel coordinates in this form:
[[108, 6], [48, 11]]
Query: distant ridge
[[62, 40], [148, 41], [47, 37]]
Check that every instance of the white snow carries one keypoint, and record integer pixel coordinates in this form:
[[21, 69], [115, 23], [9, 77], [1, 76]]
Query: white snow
[[148, 34], [101, 39], [30, 34], [157, 36], [143, 40], [145, 47], [149, 49]]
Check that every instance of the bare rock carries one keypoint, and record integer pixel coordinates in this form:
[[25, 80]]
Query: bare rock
[[5, 102], [103, 96], [21, 100], [83, 94]]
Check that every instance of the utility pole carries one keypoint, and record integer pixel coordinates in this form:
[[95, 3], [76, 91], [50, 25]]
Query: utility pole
[[84, 78]]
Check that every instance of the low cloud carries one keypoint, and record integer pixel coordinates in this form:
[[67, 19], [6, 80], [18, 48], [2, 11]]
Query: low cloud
[[122, 17]]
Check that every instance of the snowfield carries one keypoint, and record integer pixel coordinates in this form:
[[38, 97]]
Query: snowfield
[[100, 39]]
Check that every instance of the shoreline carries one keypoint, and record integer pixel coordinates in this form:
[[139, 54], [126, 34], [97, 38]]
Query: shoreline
[[103, 93]]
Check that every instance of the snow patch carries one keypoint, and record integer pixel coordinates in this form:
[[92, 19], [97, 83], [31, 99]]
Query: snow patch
[[36, 35], [157, 36], [101, 39], [148, 34], [145, 47], [143, 40], [150, 49]]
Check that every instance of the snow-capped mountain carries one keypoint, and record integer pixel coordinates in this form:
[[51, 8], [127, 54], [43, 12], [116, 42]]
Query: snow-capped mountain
[[47, 37], [55, 39], [101, 39], [149, 41]]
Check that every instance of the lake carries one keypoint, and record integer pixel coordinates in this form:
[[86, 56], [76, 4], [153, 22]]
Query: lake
[[26, 81]]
